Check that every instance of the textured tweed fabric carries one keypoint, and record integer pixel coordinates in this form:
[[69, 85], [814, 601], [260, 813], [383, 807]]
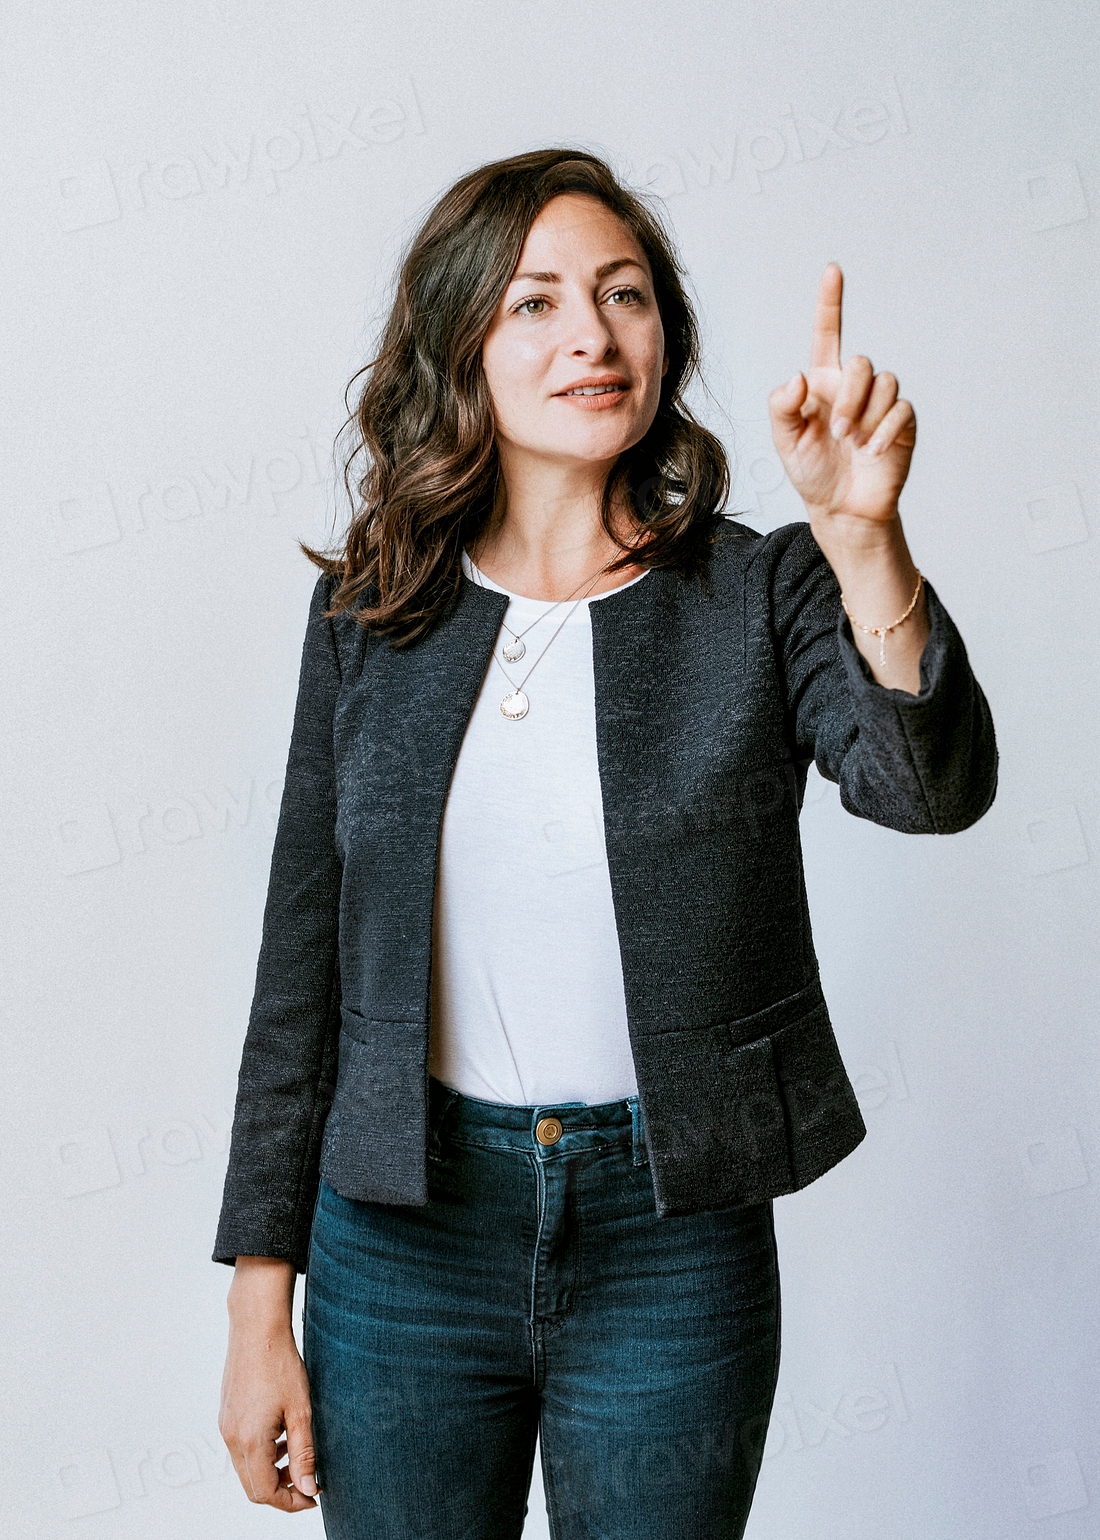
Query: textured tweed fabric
[[712, 699]]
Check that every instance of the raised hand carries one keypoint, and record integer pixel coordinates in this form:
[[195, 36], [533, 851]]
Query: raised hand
[[843, 435]]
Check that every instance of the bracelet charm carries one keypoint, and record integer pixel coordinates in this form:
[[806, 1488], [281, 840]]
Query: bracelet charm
[[880, 631]]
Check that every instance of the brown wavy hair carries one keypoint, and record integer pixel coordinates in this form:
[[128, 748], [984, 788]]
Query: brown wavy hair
[[423, 422]]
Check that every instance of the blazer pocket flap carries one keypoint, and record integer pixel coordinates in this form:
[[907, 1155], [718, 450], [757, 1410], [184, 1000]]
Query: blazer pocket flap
[[714, 1114], [376, 1030], [734, 1121], [777, 1016], [820, 1101], [373, 1145]]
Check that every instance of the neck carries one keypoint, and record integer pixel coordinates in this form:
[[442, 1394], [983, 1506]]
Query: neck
[[545, 536]]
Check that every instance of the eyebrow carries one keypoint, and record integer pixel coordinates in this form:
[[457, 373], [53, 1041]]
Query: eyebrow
[[601, 272]]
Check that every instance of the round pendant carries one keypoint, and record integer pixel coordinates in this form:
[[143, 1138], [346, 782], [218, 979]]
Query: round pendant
[[515, 705], [513, 651]]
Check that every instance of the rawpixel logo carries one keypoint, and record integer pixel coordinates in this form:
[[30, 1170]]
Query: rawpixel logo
[[101, 191], [97, 1480], [750, 156]]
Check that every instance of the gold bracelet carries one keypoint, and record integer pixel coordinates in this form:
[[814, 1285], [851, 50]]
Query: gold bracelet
[[880, 631]]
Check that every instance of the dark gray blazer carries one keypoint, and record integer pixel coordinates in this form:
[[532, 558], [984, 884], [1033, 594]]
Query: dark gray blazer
[[711, 701]]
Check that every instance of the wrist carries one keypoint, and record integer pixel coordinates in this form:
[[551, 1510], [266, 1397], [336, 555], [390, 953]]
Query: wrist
[[262, 1292], [864, 560], [854, 539], [250, 1316]]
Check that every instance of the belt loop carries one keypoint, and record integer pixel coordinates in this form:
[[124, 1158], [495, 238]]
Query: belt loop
[[641, 1158]]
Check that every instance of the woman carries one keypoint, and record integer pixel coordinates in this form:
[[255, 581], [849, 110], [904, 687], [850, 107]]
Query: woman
[[538, 1034]]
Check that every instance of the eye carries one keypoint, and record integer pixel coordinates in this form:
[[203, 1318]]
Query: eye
[[535, 299], [634, 294]]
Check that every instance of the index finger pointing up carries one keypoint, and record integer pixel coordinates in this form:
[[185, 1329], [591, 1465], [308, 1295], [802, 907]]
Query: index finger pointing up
[[825, 345]]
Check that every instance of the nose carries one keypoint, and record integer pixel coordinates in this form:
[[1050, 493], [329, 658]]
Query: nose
[[587, 333]]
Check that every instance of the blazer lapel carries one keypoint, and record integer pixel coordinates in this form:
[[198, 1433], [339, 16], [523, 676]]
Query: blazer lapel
[[398, 731]]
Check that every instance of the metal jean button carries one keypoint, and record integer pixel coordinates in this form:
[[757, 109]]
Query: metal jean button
[[548, 1130]]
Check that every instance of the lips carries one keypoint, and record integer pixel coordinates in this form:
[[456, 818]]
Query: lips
[[596, 385]]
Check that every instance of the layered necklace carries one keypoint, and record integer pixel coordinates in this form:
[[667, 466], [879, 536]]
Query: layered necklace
[[516, 703]]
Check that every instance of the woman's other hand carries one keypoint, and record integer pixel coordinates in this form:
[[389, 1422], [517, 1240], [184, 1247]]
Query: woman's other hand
[[265, 1409], [843, 435]]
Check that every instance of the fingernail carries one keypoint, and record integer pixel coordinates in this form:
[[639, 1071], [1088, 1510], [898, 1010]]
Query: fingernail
[[793, 381], [840, 427], [876, 446], [308, 1486]]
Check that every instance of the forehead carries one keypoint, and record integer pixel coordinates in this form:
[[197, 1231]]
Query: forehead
[[581, 226]]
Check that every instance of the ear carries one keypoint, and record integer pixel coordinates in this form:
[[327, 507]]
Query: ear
[[664, 367]]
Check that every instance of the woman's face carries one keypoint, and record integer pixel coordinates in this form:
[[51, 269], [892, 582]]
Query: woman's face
[[579, 311]]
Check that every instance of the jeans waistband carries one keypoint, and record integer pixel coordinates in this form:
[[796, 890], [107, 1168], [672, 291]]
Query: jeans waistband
[[547, 1130]]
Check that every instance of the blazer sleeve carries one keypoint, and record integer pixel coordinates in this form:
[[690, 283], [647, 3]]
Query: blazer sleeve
[[920, 764], [288, 1065]]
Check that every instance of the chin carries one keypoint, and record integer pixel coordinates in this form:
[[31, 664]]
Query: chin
[[603, 445], [589, 443]]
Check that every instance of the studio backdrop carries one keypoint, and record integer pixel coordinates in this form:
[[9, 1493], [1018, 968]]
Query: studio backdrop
[[204, 205]]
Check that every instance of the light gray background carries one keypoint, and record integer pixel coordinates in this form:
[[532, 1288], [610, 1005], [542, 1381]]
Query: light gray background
[[199, 256]]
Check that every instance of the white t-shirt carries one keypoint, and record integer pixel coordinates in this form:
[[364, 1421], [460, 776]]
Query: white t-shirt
[[527, 984]]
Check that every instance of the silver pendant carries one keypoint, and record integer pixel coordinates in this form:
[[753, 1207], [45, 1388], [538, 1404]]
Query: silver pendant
[[515, 705], [513, 651]]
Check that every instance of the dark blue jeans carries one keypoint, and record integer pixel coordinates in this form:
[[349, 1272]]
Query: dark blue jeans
[[537, 1293]]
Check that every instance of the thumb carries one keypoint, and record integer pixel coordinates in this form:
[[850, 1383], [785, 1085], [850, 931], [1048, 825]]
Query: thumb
[[784, 408], [302, 1459]]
